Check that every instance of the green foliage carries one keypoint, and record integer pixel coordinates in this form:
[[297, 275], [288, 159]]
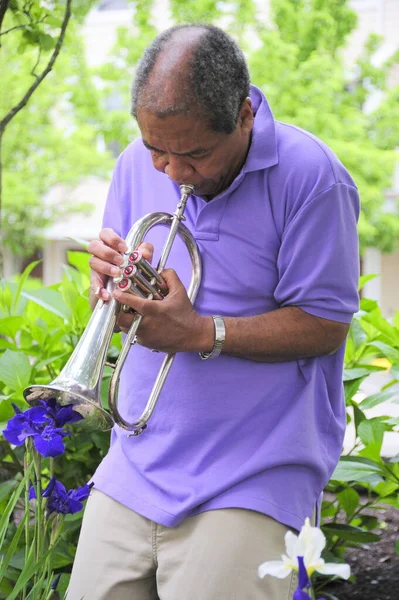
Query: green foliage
[[297, 57], [40, 328], [53, 139], [364, 479]]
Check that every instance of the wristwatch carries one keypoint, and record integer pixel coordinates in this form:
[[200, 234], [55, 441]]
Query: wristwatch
[[220, 336]]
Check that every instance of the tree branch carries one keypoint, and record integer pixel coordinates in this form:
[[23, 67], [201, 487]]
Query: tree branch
[[21, 27], [37, 63], [3, 10], [39, 78]]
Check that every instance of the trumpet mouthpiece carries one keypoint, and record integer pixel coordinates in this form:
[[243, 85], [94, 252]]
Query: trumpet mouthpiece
[[187, 189]]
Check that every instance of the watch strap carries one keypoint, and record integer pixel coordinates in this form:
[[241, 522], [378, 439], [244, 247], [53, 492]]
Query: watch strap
[[220, 336]]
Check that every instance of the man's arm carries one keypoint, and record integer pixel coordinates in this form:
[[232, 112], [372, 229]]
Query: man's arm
[[289, 333], [281, 335]]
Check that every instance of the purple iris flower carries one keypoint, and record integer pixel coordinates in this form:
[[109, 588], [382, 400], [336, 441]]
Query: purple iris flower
[[303, 578], [49, 441], [35, 423], [301, 595], [61, 500], [303, 582], [56, 582], [67, 502], [61, 415], [27, 424], [44, 424]]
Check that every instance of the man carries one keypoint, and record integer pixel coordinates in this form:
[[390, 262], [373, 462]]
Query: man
[[242, 443]]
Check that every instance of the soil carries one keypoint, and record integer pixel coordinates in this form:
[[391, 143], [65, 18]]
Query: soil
[[375, 566]]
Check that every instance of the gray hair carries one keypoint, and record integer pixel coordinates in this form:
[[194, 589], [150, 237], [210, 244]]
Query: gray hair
[[216, 81]]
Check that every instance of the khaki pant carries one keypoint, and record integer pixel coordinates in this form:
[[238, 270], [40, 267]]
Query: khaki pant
[[212, 556]]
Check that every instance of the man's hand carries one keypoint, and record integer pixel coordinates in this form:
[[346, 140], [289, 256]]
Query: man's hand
[[106, 261], [171, 324]]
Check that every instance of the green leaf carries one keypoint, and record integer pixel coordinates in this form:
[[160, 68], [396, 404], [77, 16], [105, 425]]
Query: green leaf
[[5, 517], [362, 371], [30, 568], [356, 469], [397, 546], [357, 334], [368, 305], [394, 371], [46, 41], [390, 334], [15, 370], [363, 279], [349, 533], [386, 489], [377, 398], [13, 546], [21, 282], [6, 487], [80, 260], [351, 387], [9, 326], [50, 20], [371, 432], [391, 353], [6, 410], [359, 416], [50, 300], [349, 500]]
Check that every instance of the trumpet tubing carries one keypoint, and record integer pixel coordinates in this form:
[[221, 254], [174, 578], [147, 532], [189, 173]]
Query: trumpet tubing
[[80, 380]]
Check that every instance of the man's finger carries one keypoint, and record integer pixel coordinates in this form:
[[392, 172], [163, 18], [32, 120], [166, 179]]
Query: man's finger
[[97, 287], [171, 278], [100, 250], [112, 239], [104, 268], [147, 250], [140, 305]]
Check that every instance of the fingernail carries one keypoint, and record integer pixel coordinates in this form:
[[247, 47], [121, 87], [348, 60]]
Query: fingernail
[[115, 271], [105, 295], [122, 247], [96, 293]]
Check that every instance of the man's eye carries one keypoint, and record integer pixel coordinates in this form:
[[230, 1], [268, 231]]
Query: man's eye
[[199, 156]]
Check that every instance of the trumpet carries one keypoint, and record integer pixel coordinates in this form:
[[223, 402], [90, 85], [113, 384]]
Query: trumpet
[[80, 380]]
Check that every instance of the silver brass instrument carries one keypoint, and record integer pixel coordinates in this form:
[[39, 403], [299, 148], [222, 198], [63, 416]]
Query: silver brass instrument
[[80, 380]]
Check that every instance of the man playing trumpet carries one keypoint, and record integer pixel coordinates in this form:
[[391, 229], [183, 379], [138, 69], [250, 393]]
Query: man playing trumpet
[[250, 422]]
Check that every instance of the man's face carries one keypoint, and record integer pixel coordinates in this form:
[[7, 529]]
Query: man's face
[[185, 149]]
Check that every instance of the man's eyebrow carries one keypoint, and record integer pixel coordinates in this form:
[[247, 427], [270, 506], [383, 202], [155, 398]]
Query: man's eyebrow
[[199, 150]]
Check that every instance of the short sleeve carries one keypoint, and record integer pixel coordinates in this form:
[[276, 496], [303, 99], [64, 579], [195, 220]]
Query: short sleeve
[[318, 260]]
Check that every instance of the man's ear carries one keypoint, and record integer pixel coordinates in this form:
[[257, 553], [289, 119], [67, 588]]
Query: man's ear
[[246, 116]]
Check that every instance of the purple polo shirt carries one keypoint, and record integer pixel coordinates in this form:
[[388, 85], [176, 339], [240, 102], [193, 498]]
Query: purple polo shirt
[[232, 432]]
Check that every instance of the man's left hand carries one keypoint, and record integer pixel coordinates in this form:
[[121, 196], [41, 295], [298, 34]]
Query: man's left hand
[[171, 324]]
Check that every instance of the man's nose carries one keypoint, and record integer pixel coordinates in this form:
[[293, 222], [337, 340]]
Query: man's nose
[[178, 169]]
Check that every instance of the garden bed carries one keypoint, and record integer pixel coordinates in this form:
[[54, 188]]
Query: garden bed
[[375, 566]]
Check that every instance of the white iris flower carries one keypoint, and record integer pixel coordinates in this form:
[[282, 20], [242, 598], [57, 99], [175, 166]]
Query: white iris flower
[[309, 543]]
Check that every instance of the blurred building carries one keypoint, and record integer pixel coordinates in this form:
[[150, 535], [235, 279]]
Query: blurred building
[[375, 16]]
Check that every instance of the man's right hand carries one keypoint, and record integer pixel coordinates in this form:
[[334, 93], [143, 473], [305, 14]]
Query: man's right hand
[[106, 260]]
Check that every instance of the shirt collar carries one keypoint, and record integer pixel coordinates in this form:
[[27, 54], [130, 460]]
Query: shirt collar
[[263, 150]]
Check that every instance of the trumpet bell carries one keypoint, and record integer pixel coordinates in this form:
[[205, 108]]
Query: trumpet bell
[[95, 418]]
